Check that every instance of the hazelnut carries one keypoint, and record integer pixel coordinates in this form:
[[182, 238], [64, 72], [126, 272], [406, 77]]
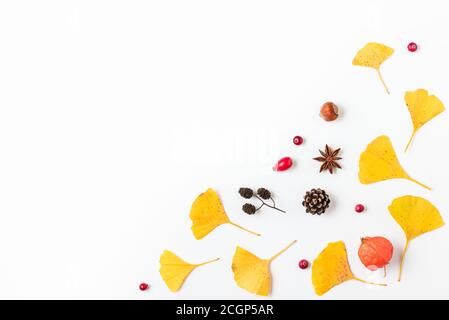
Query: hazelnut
[[329, 111]]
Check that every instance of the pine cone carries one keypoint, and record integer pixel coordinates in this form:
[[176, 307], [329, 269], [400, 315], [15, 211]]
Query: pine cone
[[264, 193], [246, 193], [316, 201], [249, 208]]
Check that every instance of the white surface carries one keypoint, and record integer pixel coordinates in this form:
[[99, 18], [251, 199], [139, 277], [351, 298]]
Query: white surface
[[115, 115]]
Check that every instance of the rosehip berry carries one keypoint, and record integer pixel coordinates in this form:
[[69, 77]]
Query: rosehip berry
[[298, 140], [359, 208], [283, 164], [143, 286], [303, 264], [412, 47]]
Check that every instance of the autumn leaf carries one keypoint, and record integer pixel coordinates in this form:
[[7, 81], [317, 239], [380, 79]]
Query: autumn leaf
[[174, 270], [207, 213], [379, 162], [416, 216], [373, 55], [331, 268], [253, 273], [422, 107]]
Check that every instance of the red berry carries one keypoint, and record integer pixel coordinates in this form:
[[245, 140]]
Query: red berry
[[283, 164], [412, 47], [303, 264], [298, 140], [359, 208], [143, 286]]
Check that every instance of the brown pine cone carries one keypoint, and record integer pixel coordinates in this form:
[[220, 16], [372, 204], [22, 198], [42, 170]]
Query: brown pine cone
[[316, 201]]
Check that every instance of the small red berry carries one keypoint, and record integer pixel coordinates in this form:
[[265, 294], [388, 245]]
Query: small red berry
[[303, 264], [412, 47], [298, 140], [359, 208], [143, 286]]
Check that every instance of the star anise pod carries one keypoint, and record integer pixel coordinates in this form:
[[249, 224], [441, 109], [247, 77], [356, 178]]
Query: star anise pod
[[329, 158]]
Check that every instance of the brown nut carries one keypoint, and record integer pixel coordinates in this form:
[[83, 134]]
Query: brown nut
[[329, 111]]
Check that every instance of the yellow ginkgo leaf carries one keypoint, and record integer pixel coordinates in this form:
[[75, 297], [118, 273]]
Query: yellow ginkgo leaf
[[416, 216], [207, 213], [253, 273], [422, 107], [373, 55], [174, 270], [331, 268], [379, 162]]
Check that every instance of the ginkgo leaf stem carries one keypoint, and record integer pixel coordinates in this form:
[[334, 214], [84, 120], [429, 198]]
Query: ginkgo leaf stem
[[385, 271], [238, 226], [283, 250], [410, 141], [382, 80], [207, 262], [419, 183], [367, 282], [402, 260]]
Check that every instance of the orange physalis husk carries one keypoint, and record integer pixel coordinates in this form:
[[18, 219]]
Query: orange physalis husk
[[375, 252]]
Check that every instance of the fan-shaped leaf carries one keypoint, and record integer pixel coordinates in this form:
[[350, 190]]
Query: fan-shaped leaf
[[373, 55], [422, 107], [174, 270], [416, 216], [379, 162], [253, 273], [331, 268], [207, 213]]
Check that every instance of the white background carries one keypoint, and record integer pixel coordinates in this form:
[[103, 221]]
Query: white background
[[115, 115]]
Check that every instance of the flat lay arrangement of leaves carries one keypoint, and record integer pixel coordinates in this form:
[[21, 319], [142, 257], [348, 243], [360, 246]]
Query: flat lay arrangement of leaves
[[378, 162]]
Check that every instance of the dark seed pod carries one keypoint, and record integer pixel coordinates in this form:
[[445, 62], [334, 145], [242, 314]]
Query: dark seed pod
[[264, 193], [249, 208], [246, 193]]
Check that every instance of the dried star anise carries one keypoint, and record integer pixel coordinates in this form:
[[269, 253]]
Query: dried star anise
[[329, 158]]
